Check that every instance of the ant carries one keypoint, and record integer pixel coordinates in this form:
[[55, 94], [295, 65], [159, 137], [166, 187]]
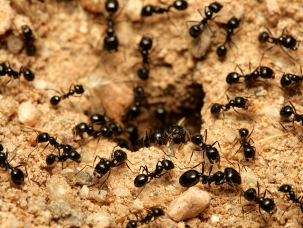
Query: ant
[[104, 166], [145, 45], [111, 41], [45, 137], [267, 204], [260, 71], [153, 213], [192, 177], [289, 110], [148, 10], [249, 151], [291, 196], [195, 30], [68, 152], [142, 179], [232, 24], [211, 152], [29, 40], [78, 89], [291, 79], [238, 102], [288, 42], [17, 175], [139, 101], [7, 70]]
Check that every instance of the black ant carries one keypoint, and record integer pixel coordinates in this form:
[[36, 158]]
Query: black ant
[[288, 41], [7, 70], [111, 41], [210, 151], [29, 40], [289, 110], [260, 71], [17, 175], [267, 204], [291, 196], [153, 213], [232, 24], [192, 177], [156, 138], [238, 102], [145, 45], [148, 10], [68, 153], [45, 137], [291, 79], [142, 179], [132, 131], [249, 151], [195, 30], [73, 89], [139, 101], [104, 166]]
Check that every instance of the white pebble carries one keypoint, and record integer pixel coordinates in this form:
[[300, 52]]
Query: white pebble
[[14, 44], [189, 204], [99, 197], [95, 6], [28, 113], [59, 189], [201, 44], [100, 219], [6, 16], [133, 10], [83, 193], [214, 219]]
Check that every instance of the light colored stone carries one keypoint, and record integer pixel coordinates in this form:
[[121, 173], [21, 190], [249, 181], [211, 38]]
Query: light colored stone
[[133, 9], [28, 114], [201, 44], [95, 6], [58, 189], [99, 219], [6, 16], [189, 204], [274, 12], [14, 44]]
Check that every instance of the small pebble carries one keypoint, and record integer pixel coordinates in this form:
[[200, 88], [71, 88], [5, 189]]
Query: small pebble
[[58, 189], [6, 16], [28, 114], [14, 44], [189, 204], [94, 6], [100, 219]]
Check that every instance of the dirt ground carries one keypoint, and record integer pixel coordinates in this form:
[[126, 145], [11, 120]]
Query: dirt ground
[[69, 40]]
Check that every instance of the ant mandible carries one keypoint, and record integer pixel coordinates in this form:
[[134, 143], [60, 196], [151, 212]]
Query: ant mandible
[[266, 204], [288, 42], [77, 89], [231, 25], [17, 175], [192, 177], [29, 40], [195, 30], [142, 179], [148, 10]]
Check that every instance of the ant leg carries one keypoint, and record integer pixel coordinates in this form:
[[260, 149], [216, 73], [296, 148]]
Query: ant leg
[[192, 153], [84, 168], [246, 205], [265, 52], [262, 214]]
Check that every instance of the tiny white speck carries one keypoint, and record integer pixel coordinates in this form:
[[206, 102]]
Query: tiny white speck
[[214, 219]]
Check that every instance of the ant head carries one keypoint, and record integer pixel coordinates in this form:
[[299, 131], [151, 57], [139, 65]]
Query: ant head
[[147, 11], [286, 80], [243, 132], [195, 31], [269, 206], [180, 5], [157, 212], [289, 42], [120, 156], [78, 89], [17, 176], [266, 72], [250, 194], [26, 31], [285, 188], [263, 37], [233, 23], [221, 51], [215, 7], [111, 6], [215, 108], [233, 78], [167, 164], [55, 100], [212, 154], [146, 43], [286, 111]]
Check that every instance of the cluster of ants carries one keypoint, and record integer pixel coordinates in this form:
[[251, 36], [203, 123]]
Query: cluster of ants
[[102, 127]]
